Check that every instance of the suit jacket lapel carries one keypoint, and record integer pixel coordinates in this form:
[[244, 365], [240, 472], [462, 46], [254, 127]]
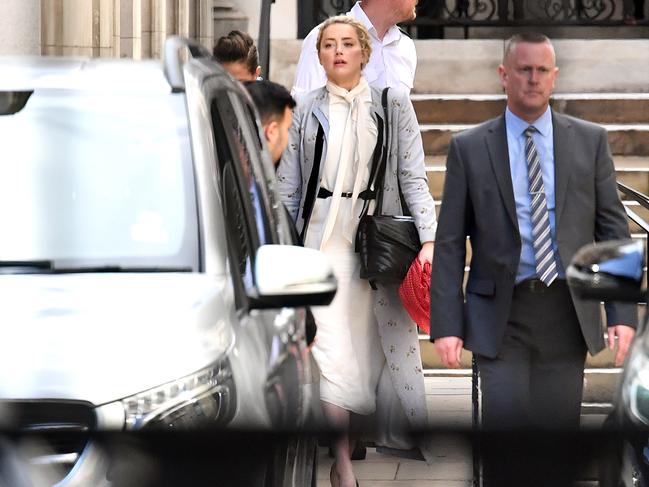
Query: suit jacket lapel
[[496, 140], [563, 156]]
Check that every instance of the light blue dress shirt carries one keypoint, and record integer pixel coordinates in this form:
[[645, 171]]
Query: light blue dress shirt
[[543, 138]]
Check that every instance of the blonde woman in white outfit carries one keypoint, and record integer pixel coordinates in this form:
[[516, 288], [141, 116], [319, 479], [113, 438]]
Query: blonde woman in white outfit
[[393, 60], [364, 336]]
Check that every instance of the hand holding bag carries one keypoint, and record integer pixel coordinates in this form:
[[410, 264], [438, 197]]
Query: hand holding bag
[[387, 244], [415, 294]]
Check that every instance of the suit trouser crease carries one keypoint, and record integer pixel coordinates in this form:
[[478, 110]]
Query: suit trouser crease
[[534, 385]]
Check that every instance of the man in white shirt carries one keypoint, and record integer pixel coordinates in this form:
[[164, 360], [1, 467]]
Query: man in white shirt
[[393, 60]]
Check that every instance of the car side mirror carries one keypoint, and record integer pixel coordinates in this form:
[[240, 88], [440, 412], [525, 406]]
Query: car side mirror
[[287, 275], [608, 271]]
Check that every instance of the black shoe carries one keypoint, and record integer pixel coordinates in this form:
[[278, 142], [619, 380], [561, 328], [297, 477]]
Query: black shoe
[[412, 454], [359, 453]]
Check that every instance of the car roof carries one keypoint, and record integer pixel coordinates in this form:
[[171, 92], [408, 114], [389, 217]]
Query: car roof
[[27, 73]]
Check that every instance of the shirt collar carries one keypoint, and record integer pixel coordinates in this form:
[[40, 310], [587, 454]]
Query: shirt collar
[[517, 125], [392, 34]]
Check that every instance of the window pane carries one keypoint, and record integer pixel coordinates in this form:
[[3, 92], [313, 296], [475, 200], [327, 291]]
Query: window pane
[[91, 178]]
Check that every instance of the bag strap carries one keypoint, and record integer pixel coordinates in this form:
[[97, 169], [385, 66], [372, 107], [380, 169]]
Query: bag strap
[[371, 191], [380, 176], [379, 204], [309, 200], [378, 161]]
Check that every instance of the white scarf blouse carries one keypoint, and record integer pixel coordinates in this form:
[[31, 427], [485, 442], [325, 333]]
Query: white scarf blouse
[[351, 141]]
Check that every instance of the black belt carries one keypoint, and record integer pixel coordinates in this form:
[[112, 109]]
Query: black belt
[[364, 195], [535, 286]]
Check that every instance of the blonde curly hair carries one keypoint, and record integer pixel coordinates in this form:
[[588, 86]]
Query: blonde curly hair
[[361, 32]]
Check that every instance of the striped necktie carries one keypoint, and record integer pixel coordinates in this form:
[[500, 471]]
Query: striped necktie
[[546, 267]]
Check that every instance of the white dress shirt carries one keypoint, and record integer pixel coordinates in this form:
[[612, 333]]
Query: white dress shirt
[[352, 129], [392, 63]]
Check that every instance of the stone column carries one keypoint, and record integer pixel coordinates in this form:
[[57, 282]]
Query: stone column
[[227, 17], [205, 34], [106, 27], [125, 30], [20, 27], [144, 29], [187, 22], [51, 27], [73, 27], [164, 24]]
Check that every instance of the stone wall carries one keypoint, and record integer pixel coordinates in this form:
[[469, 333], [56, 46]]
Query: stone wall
[[469, 66], [122, 28], [283, 17], [20, 27]]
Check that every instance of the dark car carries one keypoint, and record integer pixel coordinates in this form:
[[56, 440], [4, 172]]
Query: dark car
[[613, 271]]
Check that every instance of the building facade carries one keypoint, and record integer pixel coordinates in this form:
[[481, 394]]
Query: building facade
[[130, 28], [121, 28], [20, 27]]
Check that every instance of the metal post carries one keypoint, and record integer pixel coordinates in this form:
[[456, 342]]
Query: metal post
[[475, 423], [305, 18], [263, 41]]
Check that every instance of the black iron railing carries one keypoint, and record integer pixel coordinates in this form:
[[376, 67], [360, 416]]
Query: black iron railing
[[642, 200], [434, 15]]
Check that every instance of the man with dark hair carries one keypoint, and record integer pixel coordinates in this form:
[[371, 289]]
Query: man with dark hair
[[275, 105], [529, 188]]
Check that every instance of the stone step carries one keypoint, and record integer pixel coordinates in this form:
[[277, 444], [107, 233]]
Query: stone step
[[430, 359], [586, 66], [458, 66], [600, 386], [606, 108], [631, 170], [627, 140]]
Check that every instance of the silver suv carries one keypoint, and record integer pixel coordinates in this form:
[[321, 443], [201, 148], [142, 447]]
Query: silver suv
[[147, 276]]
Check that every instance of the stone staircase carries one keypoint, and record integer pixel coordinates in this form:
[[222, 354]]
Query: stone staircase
[[626, 118]]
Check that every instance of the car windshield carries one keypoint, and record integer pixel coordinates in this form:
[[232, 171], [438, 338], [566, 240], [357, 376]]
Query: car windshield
[[93, 179]]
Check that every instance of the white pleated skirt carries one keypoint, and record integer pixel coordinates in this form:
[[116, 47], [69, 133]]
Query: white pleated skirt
[[347, 347]]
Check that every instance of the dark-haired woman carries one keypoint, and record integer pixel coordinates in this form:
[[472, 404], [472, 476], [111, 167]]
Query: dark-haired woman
[[237, 53]]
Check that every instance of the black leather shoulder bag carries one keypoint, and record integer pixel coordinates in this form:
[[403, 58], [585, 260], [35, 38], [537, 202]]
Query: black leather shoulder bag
[[387, 244]]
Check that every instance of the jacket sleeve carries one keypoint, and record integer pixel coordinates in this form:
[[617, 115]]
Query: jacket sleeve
[[611, 222], [289, 171], [411, 169], [446, 296]]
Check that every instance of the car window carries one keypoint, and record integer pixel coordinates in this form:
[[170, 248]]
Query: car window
[[98, 178], [281, 223], [248, 138], [246, 216]]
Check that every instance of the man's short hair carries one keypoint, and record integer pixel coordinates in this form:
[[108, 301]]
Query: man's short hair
[[527, 37], [271, 99], [237, 46]]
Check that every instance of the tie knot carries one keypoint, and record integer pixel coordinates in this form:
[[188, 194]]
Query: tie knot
[[529, 131]]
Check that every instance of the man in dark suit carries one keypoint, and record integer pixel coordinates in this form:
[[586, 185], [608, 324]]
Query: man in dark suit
[[529, 188]]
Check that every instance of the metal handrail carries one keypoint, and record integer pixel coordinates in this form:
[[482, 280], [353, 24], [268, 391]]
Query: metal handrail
[[633, 216], [642, 199]]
